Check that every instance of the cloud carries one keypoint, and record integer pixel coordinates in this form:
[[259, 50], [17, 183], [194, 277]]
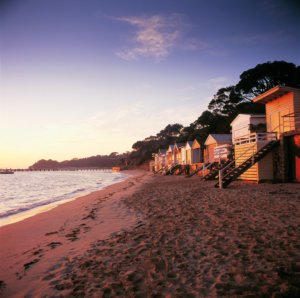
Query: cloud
[[155, 36], [195, 45], [261, 38]]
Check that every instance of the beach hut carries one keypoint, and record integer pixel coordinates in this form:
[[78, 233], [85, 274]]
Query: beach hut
[[244, 124], [160, 159], [197, 153], [170, 158], [221, 142], [183, 154], [177, 153], [282, 109], [188, 152], [283, 118], [247, 142]]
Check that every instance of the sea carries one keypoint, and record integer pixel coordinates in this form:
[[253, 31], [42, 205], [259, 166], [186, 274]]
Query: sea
[[24, 194]]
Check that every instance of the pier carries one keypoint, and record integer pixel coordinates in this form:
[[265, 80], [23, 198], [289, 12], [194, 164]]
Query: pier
[[102, 169]]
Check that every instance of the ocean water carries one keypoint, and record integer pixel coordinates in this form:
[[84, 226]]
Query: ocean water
[[23, 194]]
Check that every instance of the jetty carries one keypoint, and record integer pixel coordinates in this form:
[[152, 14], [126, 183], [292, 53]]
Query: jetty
[[102, 169]]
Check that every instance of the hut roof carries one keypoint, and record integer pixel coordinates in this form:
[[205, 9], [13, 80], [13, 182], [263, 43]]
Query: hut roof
[[162, 151], [273, 93], [179, 145], [196, 144], [218, 139], [247, 116], [171, 148], [188, 144]]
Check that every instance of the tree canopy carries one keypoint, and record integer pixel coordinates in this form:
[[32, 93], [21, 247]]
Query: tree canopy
[[265, 76]]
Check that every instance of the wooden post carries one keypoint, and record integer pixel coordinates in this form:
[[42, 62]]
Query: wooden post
[[220, 179]]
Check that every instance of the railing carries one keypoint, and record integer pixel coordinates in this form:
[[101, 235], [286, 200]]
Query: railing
[[206, 166], [256, 137], [290, 121]]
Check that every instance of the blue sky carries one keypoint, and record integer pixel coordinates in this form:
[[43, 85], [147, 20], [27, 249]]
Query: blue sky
[[87, 77]]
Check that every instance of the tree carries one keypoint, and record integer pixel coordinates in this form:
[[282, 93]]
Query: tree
[[171, 130], [231, 100], [225, 101], [213, 123], [265, 76]]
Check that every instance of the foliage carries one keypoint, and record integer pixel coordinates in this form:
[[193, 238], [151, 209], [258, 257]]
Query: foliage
[[260, 127], [143, 149], [98, 161], [232, 100], [265, 76]]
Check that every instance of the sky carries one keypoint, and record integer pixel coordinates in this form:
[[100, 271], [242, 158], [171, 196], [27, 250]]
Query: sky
[[87, 77]]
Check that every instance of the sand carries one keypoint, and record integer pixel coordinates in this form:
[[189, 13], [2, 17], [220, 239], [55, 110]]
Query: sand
[[169, 237]]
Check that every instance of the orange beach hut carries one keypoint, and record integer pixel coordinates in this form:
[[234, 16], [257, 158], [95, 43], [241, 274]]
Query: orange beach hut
[[283, 118]]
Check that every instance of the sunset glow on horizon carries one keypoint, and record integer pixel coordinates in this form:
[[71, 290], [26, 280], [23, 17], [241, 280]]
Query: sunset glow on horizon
[[81, 78]]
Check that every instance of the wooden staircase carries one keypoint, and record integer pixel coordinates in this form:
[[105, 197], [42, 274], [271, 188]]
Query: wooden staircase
[[181, 170], [237, 171], [173, 169], [196, 171], [214, 172]]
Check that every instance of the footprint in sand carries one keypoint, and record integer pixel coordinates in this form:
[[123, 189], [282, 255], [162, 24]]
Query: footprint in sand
[[73, 235], [30, 264], [91, 215], [38, 252], [54, 244], [2, 286], [51, 233]]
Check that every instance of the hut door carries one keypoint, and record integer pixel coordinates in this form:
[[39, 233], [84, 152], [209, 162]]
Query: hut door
[[196, 155], [211, 157], [276, 121], [294, 157], [296, 145]]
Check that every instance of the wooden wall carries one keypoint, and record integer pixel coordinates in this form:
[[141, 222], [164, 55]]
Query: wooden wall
[[297, 106], [210, 152], [261, 171], [276, 109]]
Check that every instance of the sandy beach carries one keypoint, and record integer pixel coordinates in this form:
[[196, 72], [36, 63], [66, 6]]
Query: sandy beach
[[159, 236]]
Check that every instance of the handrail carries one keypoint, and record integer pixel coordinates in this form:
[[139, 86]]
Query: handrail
[[290, 120], [255, 137], [209, 164]]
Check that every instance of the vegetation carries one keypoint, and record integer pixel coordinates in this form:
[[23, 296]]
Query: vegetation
[[99, 161]]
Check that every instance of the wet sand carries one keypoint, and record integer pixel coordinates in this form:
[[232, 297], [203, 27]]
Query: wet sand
[[184, 238]]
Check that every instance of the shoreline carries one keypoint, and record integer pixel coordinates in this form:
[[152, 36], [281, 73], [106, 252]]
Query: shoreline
[[31, 246]]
